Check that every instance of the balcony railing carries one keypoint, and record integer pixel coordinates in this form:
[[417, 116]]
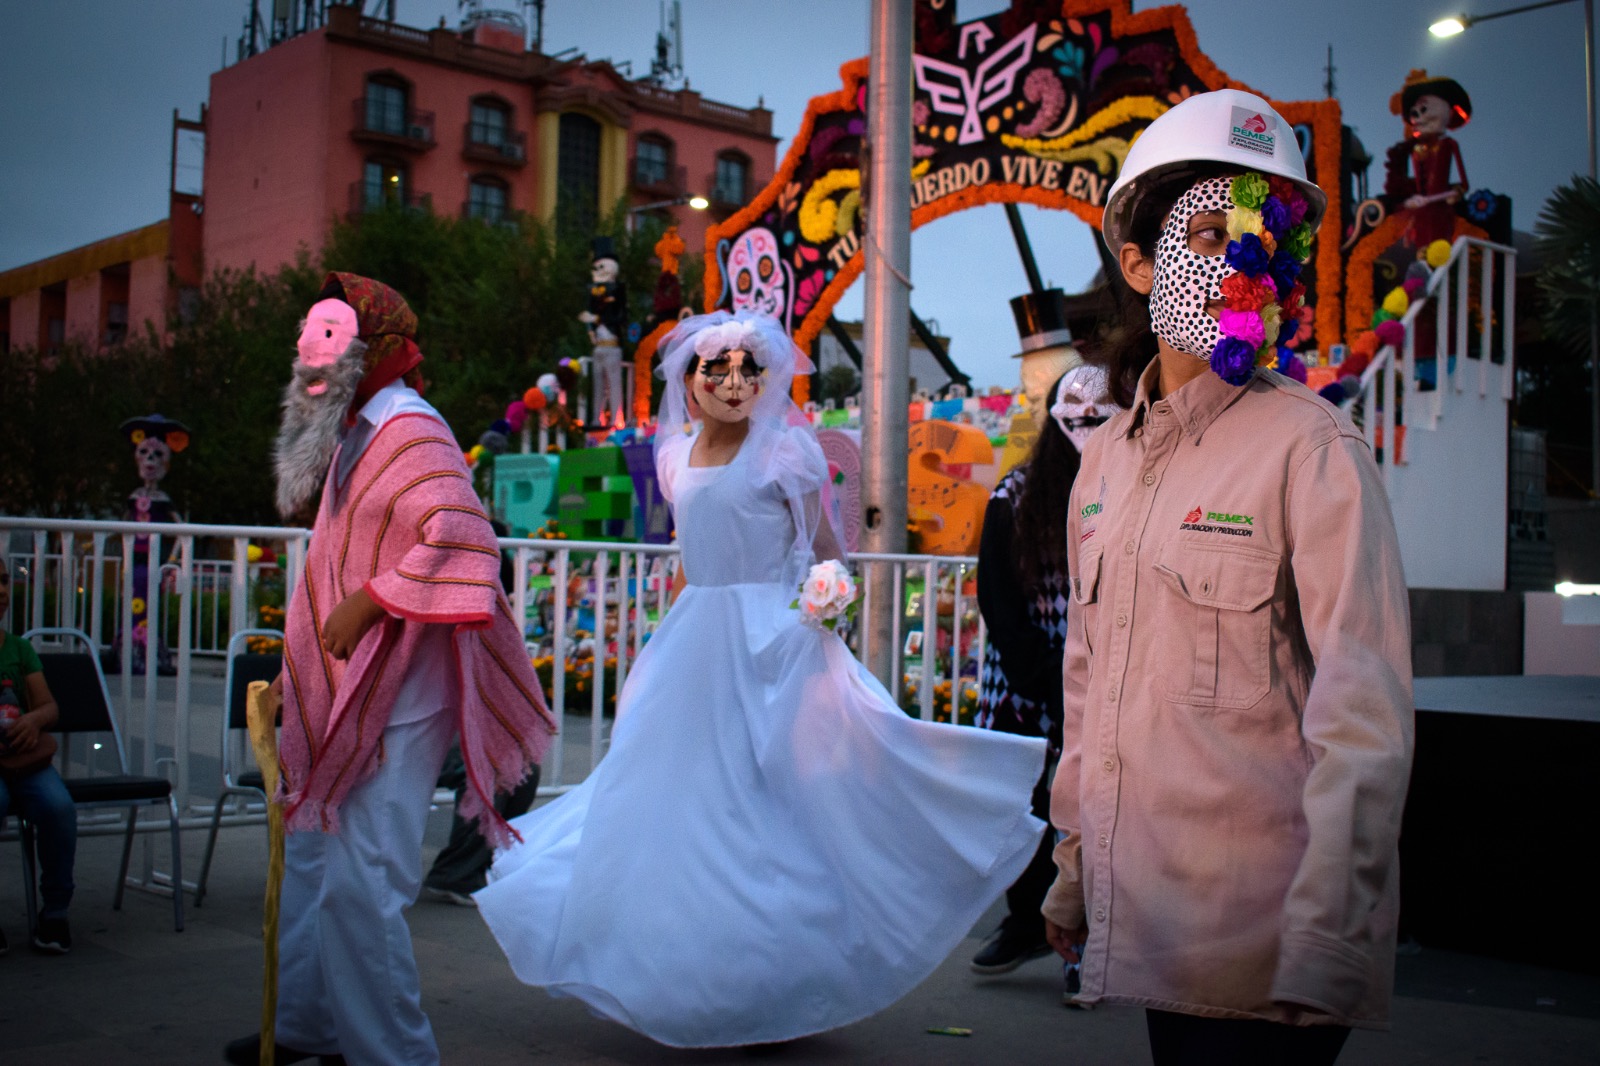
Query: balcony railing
[[495, 144], [655, 178], [401, 127], [366, 197]]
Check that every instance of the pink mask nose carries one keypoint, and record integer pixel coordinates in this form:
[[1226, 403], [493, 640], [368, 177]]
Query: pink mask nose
[[330, 327]]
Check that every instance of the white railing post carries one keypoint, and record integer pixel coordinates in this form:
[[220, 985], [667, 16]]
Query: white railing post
[[558, 646], [97, 585], [1441, 339], [1486, 319], [602, 564], [239, 616], [180, 738], [930, 637], [36, 582], [1463, 281], [1508, 324]]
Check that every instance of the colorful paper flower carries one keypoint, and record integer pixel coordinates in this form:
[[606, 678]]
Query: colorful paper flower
[[1244, 293], [1245, 325], [1242, 220], [1234, 360], [1249, 190], [1247, 256], [1275, 213], [1271, 323], [1285, 271], [1298, 243]]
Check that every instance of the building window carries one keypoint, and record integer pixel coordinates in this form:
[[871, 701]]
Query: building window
[[489, 122], [732, 179], [652, 161], [384, 182], [386, 106], [578, 171], [486, 199]]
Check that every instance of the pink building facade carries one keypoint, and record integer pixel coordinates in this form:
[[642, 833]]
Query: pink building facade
[[359, 112]]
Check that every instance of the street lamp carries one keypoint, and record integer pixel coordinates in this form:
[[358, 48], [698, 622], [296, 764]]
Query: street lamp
[[694, 203], [1449, 27]]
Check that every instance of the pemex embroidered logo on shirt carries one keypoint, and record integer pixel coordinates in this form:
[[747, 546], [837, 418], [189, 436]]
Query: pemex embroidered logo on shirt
[[1234, 525]]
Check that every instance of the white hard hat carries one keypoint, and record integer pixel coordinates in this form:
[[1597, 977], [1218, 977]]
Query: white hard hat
[[1227, 126]]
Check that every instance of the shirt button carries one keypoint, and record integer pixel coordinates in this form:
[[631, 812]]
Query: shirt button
[[1100, 915], [1111, 694], [1122, 620], [1105, 841], [1110, 766], [1149, 479], [1127, 549]]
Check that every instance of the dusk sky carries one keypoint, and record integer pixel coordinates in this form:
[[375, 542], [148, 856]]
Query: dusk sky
[[89, 89]]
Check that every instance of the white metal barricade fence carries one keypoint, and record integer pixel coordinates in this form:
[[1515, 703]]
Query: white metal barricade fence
[[588, 609]]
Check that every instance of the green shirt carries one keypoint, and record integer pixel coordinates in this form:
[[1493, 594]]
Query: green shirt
[[17, 661]]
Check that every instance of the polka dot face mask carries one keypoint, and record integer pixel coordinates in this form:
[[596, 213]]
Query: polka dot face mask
[[1185, 280]]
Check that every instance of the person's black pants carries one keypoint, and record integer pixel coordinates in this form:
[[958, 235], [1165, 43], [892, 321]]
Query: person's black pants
[[463, 864], [1188, 1040]]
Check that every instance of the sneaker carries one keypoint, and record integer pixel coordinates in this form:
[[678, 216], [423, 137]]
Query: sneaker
[[1009, 948], [448, 895], [52, 936]]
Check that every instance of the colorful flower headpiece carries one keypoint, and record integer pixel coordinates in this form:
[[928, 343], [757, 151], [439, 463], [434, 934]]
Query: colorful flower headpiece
[[1270, 239]]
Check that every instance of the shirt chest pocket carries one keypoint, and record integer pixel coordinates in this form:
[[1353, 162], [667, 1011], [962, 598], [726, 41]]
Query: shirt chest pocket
[[1219, 602], [1086, 591]]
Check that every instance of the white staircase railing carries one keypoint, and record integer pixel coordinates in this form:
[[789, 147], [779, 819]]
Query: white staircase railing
[[1442, 448]]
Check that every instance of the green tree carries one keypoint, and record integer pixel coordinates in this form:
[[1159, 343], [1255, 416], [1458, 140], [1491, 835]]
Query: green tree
[[1561, 398]]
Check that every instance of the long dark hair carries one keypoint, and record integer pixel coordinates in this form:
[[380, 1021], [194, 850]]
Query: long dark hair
[[1124, 343], [1041, 525]]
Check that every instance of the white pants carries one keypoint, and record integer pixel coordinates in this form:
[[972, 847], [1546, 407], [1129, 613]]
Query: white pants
[[608, 382], [347, 978]]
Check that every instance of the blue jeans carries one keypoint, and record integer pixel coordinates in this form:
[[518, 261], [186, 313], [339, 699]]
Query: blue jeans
[[42, 798]]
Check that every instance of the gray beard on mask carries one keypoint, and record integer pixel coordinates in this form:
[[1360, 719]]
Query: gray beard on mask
[[311, 427]]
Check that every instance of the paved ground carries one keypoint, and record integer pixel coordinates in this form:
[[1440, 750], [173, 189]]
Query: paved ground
[[133, 992]]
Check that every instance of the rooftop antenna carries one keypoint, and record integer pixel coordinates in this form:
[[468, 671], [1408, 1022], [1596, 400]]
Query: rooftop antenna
[[667, 66], [1327, 86]]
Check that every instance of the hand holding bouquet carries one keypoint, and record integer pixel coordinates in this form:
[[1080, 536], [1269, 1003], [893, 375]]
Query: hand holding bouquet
[[827, 595]]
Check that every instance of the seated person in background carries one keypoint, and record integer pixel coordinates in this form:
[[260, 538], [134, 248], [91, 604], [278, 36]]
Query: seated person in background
[[29, 785]]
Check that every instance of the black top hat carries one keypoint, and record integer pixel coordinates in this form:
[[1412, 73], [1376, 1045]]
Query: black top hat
[[603, 248], [1041, 319], [1419, 83]]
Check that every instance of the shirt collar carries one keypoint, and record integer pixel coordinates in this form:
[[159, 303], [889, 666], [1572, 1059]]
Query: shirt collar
[[1193, 407]]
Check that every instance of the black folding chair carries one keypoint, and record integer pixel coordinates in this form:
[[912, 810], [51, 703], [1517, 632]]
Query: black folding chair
[[79, 687], [243, 668]]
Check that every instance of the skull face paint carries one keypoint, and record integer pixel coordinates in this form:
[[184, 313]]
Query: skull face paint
[[152, 457], [726, 385], [1186, 281]]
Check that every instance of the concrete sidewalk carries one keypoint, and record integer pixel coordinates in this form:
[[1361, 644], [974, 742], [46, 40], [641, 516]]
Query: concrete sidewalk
[[133, 992]]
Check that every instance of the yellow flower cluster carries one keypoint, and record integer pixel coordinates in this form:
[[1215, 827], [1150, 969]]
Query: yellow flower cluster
[[819, 213]]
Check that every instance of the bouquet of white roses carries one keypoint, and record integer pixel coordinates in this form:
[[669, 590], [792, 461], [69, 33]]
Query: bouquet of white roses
[[827, 595]]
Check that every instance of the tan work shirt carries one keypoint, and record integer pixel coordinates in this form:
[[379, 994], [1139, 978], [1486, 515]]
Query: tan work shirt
[[1238, 710]]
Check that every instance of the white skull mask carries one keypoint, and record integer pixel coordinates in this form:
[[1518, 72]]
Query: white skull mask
[[1081, 405], [153, 457], [1185, 280]]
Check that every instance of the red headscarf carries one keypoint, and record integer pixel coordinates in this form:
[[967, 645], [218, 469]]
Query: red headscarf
[[387, 326]]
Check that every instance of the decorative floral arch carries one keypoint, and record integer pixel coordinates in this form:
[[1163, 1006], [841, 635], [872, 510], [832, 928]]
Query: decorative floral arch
[[1036, 104]]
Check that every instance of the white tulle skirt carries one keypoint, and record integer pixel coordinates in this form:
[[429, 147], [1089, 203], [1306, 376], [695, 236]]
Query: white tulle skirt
[[771, 848]]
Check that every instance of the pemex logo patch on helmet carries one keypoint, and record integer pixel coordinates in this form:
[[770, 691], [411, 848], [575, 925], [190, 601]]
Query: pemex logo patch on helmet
[[1248, 130]]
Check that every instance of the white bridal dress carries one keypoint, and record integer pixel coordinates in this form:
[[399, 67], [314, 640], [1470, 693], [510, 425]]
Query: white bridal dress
[[771, 848]]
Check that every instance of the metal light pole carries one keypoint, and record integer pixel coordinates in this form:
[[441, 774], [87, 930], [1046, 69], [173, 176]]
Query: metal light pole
[[1449, 27], [885, 388]]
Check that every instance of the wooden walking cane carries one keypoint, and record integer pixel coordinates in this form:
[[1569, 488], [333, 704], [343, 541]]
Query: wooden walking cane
[[261, 711]]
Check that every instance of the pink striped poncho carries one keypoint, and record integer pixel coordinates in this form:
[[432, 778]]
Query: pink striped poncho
[[408, 528]]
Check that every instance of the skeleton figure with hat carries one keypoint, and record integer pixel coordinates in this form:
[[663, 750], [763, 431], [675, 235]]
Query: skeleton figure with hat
[[607, 319], [155, 440], [1237, 706], [1419, 167], [398, 638]]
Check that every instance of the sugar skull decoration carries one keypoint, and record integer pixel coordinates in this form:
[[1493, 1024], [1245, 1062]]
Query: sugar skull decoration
[[155, 440], [757, 275], [1420, 166], [606, 317]]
